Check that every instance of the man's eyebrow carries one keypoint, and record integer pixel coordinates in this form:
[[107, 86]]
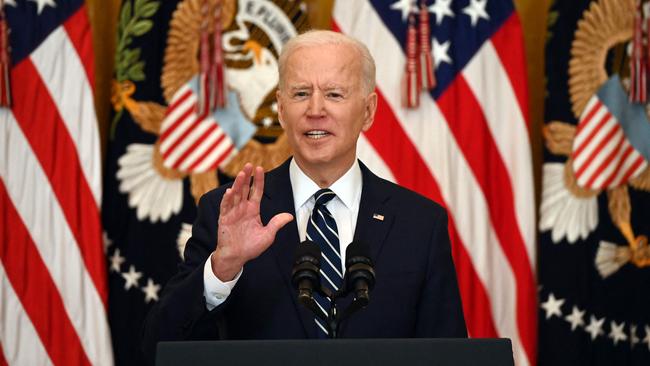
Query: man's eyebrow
[[299, 87], [335, 87]]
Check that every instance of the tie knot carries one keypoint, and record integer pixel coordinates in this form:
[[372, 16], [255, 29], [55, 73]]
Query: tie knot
[[323, 196]]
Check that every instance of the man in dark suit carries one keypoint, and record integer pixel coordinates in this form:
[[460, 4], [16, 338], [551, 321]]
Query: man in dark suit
[[235, 282]]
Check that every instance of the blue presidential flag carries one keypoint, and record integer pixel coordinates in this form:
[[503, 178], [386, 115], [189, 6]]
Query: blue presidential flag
[[594, 255], [165, 150]]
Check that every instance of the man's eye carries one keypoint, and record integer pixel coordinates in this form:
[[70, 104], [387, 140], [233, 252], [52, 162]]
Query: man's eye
[[335, 95], [300, 94]]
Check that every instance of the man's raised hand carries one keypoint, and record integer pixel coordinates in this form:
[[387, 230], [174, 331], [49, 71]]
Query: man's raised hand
[[241, 234]]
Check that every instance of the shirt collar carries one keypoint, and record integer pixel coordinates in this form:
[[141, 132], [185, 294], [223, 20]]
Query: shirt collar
[[347, 188]]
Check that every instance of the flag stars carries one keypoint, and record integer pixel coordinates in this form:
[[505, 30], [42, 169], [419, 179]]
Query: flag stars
[[441, 8], [116, 261], [576, 318], [553, 306], [476, 11], [41, 4], [616, 333], [151, 291], [634, 340], [595, 327], [440, 52], [131, 277], [646, 340], [107, 241], [405, 6]]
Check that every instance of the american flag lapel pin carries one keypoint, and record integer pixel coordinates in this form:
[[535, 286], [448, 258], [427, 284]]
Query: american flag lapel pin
[[378, 217]]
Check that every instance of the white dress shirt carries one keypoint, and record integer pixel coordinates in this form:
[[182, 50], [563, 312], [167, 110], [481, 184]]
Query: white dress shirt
[[344, 207]]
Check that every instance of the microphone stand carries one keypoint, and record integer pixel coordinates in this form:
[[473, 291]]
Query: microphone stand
[[334, 317], [305, 277]]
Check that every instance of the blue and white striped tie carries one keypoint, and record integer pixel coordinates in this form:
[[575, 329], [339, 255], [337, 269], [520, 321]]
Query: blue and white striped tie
[[322, 230]]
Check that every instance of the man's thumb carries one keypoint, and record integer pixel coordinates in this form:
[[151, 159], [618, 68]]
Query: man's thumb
[[278, 221]]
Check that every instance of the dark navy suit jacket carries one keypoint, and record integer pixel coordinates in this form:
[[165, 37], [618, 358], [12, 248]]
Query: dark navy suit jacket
[[416, 292]]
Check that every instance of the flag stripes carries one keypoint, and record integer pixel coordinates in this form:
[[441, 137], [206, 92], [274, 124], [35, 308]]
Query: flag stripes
[[365, 151], [593, 106], [629, 165], [177, 120], [60, 163], [458, 150], [477, 306], [198, 147], [492, 178], [602, 156], [54, 326], [600, 148], [509, 45], [615, 151], [53, 285], [31, 193], [499, 106], [191, 127], [589, 133], [56, 57], [596, 135], [215, 155], [78, 30], [25, 346], [192, 140]]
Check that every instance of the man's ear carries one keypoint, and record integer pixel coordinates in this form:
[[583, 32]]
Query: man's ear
[[370, 109], [278, 100]]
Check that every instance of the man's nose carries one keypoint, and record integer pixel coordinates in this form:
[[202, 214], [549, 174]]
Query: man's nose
[[316, 105]]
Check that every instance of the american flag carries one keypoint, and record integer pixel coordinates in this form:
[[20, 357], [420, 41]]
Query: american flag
[[53, 289], [466, 146]]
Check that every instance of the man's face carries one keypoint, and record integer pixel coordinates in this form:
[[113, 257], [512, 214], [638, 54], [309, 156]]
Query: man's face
[[323, 107]]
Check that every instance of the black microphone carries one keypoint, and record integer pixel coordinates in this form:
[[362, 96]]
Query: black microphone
[[305, 274], [360, 275]]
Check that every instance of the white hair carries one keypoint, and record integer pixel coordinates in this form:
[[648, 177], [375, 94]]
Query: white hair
[[314, 38]]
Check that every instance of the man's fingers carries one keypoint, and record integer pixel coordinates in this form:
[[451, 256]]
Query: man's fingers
[[237, 187], [226, 202], [278, 221], [258, 185], [245, 189]]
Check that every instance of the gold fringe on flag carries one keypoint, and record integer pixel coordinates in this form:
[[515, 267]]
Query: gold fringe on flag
[[212, 83], [426, 58], [411, 96], [419, 72]]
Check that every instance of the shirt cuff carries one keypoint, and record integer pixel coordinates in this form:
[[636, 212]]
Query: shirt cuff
[[216, 291]]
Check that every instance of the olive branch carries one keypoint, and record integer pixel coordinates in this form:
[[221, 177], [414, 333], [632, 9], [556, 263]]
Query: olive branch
[[134, 22]]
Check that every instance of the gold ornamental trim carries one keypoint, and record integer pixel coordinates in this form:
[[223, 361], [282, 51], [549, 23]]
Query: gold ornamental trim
[[181, 54], [605, 24]]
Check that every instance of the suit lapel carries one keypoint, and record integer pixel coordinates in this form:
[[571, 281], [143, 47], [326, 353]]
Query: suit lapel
[[278, 198], [374, 219]]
